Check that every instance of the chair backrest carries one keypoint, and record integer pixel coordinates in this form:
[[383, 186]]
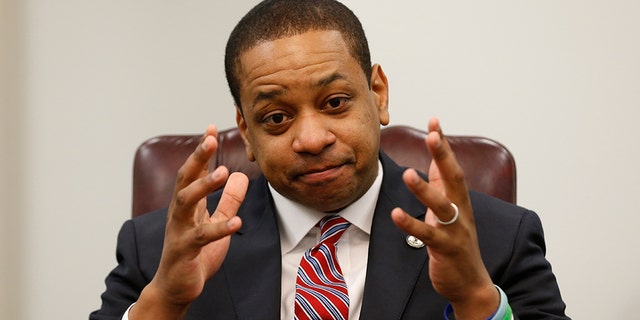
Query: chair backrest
[[489, 167]]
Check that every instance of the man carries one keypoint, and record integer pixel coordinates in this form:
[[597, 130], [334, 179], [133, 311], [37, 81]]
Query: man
[[309, 108]]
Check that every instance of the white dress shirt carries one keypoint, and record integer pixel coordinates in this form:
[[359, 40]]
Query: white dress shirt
[[299, 232]]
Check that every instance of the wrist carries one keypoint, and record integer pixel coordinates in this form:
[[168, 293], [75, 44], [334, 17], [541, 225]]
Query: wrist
[[481, 305], [153, 305], [503, 311]]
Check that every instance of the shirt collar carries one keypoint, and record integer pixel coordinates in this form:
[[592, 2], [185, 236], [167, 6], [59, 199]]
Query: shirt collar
[[295, 220]]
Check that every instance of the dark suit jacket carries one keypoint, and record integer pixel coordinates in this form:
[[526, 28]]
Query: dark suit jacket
[[397, 282]]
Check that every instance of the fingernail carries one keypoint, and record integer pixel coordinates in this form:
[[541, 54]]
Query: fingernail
[[439, 144], [415, 178], [399, 215], [232, 223], [215, 174], [205, 144]]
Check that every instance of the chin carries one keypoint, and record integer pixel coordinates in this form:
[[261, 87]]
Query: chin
[[331, 203]]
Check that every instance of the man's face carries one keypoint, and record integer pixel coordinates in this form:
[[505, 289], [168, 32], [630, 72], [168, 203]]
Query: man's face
[[311, 121]]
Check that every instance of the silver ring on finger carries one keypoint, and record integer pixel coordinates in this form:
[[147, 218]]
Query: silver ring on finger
[[453, 220]]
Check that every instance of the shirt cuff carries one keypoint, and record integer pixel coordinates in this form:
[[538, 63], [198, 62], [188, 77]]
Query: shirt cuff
[[125, 316], [503, 313]]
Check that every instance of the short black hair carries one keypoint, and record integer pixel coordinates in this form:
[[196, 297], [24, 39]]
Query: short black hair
[[276, 19]]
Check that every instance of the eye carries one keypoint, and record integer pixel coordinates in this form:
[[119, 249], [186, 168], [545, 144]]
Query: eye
[[275, 118], [335, 103]]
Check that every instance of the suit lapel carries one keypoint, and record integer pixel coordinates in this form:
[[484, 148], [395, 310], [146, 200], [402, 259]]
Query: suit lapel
[[393, 266], [253, 263]]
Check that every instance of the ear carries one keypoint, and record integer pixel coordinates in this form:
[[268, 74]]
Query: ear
[[242, 127], [380, 91]]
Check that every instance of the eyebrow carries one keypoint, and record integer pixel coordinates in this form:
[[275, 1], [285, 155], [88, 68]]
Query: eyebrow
[[328, 80], [267, 95]]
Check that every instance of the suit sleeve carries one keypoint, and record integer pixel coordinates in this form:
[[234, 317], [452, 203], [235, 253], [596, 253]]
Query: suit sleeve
[[528, 280], [126, 281]]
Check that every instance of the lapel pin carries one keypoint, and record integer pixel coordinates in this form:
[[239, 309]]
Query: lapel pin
[[414, 242]]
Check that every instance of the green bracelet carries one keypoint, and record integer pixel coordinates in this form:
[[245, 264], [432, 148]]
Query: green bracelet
[[504, 311]]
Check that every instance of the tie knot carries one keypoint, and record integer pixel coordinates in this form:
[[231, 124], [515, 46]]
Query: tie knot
[[332, 227]]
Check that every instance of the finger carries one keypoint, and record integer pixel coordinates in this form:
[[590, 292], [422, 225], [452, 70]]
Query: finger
[[194, 195], [445, 167], [232, 196], [197, 164], [224, 220], [428, 234], [430, 194], [209, 232], [211, 131]]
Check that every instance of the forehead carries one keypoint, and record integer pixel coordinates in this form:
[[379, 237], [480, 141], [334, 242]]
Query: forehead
[[295, 53]]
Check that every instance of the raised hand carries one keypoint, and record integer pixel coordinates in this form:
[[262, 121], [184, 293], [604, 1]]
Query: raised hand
[[195, 242], [455, 265]]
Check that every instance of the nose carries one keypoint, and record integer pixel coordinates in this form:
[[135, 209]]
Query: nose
[[312, 134]]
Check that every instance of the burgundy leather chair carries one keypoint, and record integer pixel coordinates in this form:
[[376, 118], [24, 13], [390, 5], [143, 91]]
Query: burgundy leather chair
[[489, 167]]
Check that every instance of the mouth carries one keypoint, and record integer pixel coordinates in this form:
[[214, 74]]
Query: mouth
[[320, 175]]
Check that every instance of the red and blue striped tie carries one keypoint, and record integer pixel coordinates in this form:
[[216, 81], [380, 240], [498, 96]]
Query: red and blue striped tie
[[321, 292]]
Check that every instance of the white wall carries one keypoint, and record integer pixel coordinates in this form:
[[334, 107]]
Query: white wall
[[11, 246], [84, 82]]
